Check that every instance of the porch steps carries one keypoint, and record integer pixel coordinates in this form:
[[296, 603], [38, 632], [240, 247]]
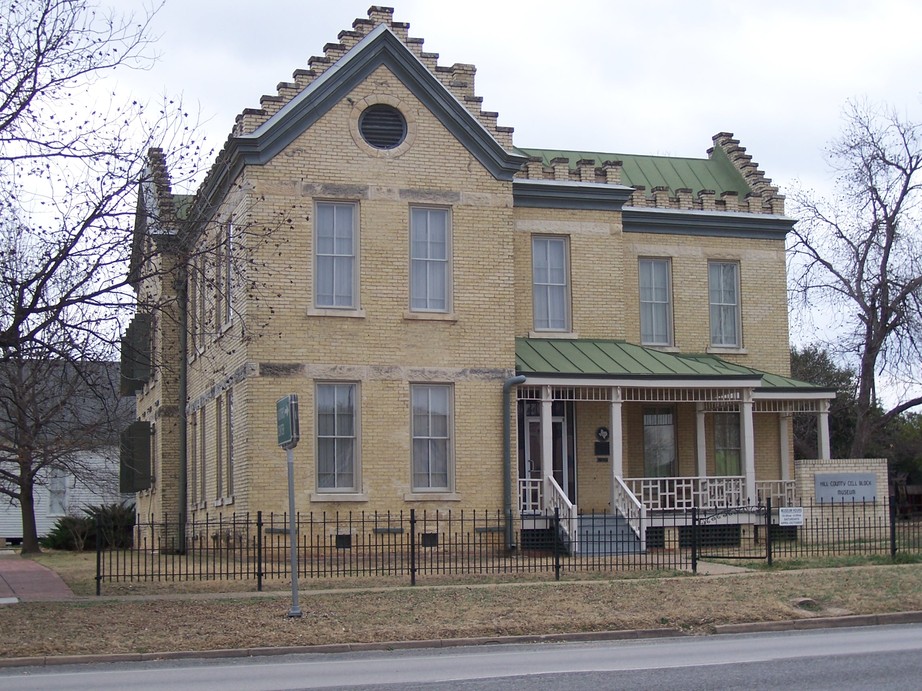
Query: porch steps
[[606, 534]]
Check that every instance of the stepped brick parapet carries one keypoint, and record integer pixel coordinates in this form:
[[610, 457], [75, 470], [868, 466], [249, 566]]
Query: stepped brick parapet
[[457, 78]]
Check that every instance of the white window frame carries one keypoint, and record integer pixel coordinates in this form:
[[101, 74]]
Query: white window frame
[[228, 275], [544, 287], [724, 305], [193, 456], [336, 259], [427, 442], [193, 325], [426, 265], [338, 437], [202, 303], [229, 444], [57, 492], [218, 281], [219, 447], [655, 300], [203, 456]]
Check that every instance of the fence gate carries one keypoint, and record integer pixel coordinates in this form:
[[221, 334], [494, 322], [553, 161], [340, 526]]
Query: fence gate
[[740, 532]]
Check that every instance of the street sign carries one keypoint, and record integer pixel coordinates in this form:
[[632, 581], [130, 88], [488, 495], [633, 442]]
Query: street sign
[[286, 415]]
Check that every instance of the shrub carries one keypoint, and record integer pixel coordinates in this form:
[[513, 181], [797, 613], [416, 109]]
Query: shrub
[[112, 524], [74, 533]]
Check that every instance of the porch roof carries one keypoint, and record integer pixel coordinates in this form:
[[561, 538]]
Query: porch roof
[[588, 358]]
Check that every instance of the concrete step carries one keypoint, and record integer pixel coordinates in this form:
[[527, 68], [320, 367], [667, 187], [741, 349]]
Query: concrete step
[[606, 534]]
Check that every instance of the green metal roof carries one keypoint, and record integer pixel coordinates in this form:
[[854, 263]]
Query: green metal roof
[[619, 359], [716, 173]]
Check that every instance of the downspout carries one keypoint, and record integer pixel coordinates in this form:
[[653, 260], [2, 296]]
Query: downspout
[[507, 457], [182, 295]]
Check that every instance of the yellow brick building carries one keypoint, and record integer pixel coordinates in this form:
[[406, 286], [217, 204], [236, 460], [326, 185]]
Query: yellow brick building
[[466, 324]]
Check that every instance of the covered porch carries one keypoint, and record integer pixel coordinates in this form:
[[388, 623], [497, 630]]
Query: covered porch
[[634, 432]]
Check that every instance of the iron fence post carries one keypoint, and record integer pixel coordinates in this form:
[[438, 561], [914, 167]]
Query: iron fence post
[[259, 551], [98, 564], [556, 542], [892, 513], [694, 550], [768, 529], [412, 546]]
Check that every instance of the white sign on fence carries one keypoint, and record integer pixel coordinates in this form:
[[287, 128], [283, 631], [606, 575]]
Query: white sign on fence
[[791, 515]]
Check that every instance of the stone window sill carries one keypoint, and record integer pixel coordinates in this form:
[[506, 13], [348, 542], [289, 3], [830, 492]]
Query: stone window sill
[[326, 312], [318, 497], [431, 496]]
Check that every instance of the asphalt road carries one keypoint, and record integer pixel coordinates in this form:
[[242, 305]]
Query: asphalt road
[[885, 657]]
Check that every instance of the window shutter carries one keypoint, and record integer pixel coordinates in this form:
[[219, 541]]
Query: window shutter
[[134, 458], [135, 365]]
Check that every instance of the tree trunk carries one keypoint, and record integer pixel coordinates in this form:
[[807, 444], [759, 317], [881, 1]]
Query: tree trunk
[[864, 401], [27, 509]]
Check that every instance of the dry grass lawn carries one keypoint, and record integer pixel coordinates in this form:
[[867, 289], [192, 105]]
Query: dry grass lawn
[[693, 604]]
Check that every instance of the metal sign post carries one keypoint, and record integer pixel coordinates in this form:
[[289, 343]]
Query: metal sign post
[[286, 412]]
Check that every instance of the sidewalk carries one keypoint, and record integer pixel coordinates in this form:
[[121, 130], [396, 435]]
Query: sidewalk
[[27, 581]]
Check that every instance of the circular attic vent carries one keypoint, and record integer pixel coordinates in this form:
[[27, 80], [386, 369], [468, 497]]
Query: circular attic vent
[[383, 126]]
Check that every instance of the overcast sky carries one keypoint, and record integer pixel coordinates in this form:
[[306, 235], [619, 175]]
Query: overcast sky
[[616, 76]]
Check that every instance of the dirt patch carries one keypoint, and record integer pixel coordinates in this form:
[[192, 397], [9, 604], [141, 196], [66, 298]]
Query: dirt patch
[[692, 604]]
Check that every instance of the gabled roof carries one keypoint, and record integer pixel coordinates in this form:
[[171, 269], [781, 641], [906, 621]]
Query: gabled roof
[[619, 360], [716, 173], [381, 47]]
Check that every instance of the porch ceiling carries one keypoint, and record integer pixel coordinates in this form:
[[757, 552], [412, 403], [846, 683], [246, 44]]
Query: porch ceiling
[[619, 361]]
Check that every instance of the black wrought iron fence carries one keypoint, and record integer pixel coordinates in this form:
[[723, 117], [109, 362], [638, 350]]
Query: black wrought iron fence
[[412, 545]]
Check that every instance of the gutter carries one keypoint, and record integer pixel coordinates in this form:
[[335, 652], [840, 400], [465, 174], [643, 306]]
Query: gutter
[[507, 458]]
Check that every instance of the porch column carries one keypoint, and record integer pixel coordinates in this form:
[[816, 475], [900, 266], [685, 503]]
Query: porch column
[[702, 450], [749, 446], [822, 422], [784, 436], [615, 438], [547, 438]]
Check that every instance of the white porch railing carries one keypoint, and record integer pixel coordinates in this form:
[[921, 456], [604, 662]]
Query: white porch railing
[[682, 493], [782, 492], [569, 520], [631, 508], [531, 495], [635, 496]]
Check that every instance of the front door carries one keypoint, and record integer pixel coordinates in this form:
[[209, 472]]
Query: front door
[[659, 451]]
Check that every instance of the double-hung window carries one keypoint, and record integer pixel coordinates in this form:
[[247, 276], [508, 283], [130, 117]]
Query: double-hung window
[[430, 252], [655, 302], [219, 447], [724, 300], [57, 493], [335, 275], [550, 283], [227, 273], [431, 430], [229, 443], [203, 455], [336, 437]]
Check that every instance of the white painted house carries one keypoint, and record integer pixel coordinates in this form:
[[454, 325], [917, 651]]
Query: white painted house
[[62, 494]]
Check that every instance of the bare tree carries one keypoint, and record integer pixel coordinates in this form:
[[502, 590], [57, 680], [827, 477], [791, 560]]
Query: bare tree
[[55, 416], [70, 168], [858, 256], [72, 158]]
